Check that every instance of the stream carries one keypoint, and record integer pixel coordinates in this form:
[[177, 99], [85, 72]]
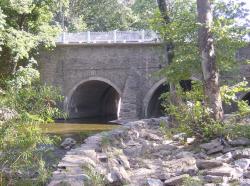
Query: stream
[[77, 130]]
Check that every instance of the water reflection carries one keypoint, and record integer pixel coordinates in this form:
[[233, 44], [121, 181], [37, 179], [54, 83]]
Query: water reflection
[[69, 128]]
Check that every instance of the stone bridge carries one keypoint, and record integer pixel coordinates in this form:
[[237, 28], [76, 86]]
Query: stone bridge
[[109, 80]]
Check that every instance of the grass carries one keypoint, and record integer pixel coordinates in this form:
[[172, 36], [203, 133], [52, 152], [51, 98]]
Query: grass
[[96, 179]]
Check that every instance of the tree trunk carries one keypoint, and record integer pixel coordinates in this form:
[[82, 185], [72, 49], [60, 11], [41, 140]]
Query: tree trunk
[[169, 47], [209, 68]]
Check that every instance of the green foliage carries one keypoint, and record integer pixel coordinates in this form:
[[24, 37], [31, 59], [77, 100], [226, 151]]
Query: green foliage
[[82, 15], [113, 15], [233, 130], [21, 138], [229, 96], [190, 181], [191, 116], [24, 76], [144, 11], [29, 98], [167, 131], [2, 24], [25, 25], [105, 142], [96, 179], [182, 31], [243, 109], [194, 118], [18, 142]]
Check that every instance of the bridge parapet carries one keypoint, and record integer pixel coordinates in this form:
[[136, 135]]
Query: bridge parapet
[[143, 36]]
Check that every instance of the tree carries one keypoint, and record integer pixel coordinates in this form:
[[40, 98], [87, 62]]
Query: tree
[[98, 15], [169, 48], [182, 31], [208, 59], [144, 11], [25, 25]]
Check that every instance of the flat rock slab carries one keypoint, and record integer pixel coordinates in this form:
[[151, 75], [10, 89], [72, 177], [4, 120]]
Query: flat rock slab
[[212, 147], [213, 179], [68, 179], [208, 164], [240, 141], [224, 171], [177, 180]]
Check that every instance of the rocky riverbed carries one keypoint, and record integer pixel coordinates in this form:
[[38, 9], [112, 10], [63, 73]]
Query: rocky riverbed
[[138, 154]]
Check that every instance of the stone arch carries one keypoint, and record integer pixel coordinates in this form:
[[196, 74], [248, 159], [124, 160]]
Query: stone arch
[[94, 97], [156, 88], [153, 94]]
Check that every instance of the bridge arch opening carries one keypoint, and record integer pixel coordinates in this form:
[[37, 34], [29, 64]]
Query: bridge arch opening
[[153, 103], [94, 100], [155, 108]]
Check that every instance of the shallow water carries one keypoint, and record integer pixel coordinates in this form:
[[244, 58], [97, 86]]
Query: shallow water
[[74, 128], [77, 131]]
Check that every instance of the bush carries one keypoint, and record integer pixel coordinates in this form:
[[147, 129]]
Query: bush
[[20, 138], [191, 115], [194, 118]]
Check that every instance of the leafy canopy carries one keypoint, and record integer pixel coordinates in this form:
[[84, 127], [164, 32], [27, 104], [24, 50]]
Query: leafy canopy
[[182, 31], [25, 25]]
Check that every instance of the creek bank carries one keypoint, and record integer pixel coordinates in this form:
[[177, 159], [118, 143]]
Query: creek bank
[[137, 154]]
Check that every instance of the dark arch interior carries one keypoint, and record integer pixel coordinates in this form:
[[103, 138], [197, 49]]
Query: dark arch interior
[[186, 85], [94, 101], [247, 98], [154, 105]]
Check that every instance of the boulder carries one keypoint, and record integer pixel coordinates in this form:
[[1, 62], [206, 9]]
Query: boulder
[[247, 175], [123, 161], [224, 171], [177, 180], [240, 142], [245, 182], [118, 176], [212, 147], [201, 155], [226, 158], [208, 164], [184, 154], [133, 151], [68, 143], [242, 163], [241, 153], [123, 175], [178, 165], [152, 137], [112, 178], [153, 182]]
